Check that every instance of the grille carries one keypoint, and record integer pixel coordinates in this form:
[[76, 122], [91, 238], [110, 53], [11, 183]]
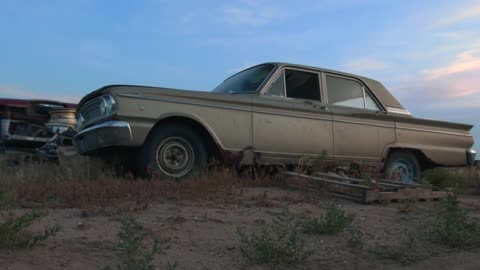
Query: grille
[[91, 111]]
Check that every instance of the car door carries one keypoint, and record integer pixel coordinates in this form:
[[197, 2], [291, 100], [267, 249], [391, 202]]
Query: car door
[[361, 127], [290, 120]]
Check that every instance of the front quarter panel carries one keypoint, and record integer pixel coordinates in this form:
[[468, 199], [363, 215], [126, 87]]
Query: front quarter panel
[[226, 117]]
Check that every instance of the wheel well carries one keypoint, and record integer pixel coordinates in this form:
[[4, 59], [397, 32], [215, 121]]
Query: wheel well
[[425, 162], [211, 145]]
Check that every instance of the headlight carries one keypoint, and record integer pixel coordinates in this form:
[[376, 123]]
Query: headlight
[[108, 105], [80, 120]]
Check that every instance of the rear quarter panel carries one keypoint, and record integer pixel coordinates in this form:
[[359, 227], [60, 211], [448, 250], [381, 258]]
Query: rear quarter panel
[[442, 142]]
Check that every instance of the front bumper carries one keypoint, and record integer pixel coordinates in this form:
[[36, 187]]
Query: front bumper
[[106, 134], [471, 155]]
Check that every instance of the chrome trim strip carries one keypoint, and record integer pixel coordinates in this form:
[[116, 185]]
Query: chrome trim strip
[[436, 131], [364, 101], [292, 115], [363, 123], [399, 111], [324, 88], [321, 118], [89, 107], [26, 138], [120, 124], [139, 96]]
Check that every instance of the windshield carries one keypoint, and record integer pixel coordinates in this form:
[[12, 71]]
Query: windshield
[[247, 81]]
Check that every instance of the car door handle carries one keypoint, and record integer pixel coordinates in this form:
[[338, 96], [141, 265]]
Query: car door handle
[[320, 107]]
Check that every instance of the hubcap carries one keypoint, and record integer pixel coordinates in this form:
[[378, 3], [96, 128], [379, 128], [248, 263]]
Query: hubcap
[[402, 171], [175, 157]]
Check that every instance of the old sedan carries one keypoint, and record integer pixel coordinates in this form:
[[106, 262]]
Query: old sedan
[[273, 113]]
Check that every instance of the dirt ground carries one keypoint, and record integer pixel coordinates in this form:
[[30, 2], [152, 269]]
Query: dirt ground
[[203, 235]]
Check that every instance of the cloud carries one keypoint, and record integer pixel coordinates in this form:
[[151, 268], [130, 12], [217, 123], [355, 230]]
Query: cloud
[[472, 12], [465, 61], [366, 64], [471, 101], [252, 13], [454, 85], [11, 92]]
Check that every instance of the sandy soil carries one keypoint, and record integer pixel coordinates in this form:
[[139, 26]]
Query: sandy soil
[[203, 235]]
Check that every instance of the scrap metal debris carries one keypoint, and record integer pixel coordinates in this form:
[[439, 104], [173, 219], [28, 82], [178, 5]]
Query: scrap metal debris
[[36, 127]]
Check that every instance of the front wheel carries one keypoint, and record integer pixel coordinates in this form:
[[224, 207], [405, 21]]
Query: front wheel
[[402, 167], [174, 151]]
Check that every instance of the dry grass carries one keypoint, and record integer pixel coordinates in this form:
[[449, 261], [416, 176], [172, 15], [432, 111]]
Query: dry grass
[[407, 205], [467, 178], [85, 181]]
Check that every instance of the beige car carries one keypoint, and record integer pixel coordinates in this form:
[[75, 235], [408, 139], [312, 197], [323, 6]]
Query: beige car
[[269, 114]]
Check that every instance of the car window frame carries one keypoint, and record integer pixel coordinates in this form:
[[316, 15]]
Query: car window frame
[[261, 86], [366, 91], [281, 72]]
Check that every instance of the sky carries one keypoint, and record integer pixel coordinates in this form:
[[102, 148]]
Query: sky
[[427, 53]]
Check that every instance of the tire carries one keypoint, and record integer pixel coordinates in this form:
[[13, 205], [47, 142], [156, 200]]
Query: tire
[[403, 167], [172, 151]]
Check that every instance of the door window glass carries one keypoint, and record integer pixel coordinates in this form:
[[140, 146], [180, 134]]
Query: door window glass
[[370, 103], [345, 92], [301, 84], [278, 87]]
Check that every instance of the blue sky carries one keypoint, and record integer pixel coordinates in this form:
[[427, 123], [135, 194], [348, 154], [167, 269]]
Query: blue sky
[[426, 52]]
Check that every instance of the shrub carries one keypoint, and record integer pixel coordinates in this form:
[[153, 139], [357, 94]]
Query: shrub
[[309, 165], [453, 227], [13, 231], [333, 222], [133, 254], [442, 178], [407, 205], [279, 244], [356, 237]]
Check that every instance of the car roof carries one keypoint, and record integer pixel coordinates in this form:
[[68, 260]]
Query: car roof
[[378, 89]]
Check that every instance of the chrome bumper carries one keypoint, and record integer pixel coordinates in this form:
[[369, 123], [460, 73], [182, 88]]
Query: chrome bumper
[[110, 133], [471, 155]]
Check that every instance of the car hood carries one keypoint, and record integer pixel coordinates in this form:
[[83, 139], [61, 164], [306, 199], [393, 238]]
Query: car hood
[[153, 92]]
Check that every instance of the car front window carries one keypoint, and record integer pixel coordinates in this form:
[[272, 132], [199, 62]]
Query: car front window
[[247, 81]]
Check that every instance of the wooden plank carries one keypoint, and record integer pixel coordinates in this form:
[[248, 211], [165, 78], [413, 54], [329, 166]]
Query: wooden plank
[[382, 183], [401, 183], [357, 192], [348, 197], [416, 194], [340, 183], [396, 183]]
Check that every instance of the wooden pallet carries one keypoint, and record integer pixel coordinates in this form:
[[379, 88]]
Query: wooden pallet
[[362, 190]]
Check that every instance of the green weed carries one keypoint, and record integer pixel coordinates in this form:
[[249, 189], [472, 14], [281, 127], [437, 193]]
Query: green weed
[[279, 244], [333, 222], [13, 231], [133, 253]]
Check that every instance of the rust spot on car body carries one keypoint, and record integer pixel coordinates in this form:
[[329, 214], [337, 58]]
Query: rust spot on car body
[[245, 157]]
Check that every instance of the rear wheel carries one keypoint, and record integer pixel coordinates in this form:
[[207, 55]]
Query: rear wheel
[[403, 167], [174, 151]]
